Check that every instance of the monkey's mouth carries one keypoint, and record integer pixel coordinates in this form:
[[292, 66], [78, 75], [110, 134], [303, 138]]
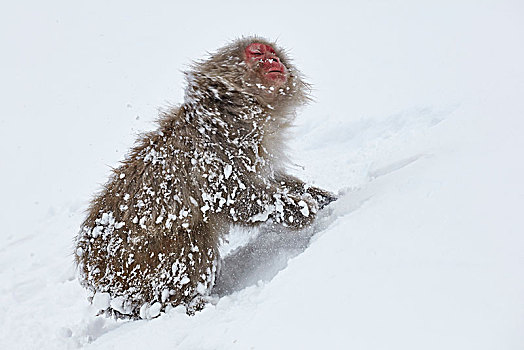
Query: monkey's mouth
[[275, 73], [276, 76], [275, 70]]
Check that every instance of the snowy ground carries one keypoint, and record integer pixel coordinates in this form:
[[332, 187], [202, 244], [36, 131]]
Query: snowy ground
[[418, 121]]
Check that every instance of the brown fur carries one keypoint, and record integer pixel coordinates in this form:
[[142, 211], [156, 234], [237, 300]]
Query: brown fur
[[151, 236]]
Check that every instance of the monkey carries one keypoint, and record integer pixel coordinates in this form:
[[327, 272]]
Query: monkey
[[151, 236]]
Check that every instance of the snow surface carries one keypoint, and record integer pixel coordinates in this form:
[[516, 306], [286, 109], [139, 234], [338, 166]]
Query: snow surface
[[418, 121]]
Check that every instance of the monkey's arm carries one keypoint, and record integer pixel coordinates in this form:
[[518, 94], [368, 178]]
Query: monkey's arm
[[295, 185], [260, 202]]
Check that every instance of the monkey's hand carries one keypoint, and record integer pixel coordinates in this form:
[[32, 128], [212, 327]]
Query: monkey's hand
[[322, 197], [293, 185], [294, 210]]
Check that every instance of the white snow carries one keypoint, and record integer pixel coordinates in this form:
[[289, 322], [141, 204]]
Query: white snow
[[304, 208], [418, 120], [227, 171], [101, 301]]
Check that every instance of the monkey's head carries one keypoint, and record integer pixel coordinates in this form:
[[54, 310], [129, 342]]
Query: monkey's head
[[256, 67]]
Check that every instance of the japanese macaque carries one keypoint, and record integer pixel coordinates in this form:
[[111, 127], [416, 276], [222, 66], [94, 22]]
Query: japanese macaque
[[150, 240]]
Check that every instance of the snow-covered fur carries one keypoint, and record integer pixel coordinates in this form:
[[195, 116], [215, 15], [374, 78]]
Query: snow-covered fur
[[151, 236]]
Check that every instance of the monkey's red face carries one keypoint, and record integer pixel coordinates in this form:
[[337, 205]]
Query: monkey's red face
[[263, 58]]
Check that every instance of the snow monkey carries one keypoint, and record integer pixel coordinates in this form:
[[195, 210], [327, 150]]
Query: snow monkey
[[150, 240]]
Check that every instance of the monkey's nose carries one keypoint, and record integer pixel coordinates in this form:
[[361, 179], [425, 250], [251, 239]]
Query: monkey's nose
[[270, 56]]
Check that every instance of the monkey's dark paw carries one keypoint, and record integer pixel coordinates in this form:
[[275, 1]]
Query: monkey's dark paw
[[197, 304], [322, 197], [297, 211]]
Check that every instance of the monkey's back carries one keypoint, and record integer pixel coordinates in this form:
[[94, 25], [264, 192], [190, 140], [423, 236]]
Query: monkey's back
[[144, 240]]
